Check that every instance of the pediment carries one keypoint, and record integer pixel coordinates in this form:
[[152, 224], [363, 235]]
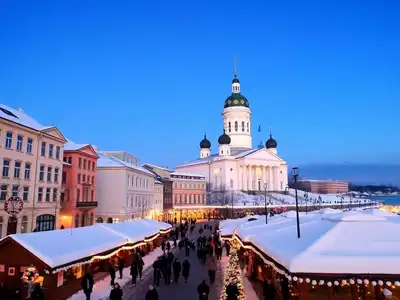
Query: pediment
[[89, 150], [53, 131], [264, 154]]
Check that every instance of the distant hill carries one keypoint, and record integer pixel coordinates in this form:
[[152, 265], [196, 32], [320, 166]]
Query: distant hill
[[363, 174]]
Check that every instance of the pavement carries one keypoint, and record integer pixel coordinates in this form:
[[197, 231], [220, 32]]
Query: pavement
[[181, 290]]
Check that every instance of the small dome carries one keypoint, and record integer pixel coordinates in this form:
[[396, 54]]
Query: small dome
[[224, 139], [205, 143], [271, 143], [235, 80], [236, 99]]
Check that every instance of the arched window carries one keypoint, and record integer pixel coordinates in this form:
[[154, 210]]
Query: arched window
[[45, 222], [236, 126], [1, 226], [229, 126], [24, 224], [76, 220], [247, 126], [91, 218], [137, 180], [109, 220], [79, 178], [99, 220], [242, 125]]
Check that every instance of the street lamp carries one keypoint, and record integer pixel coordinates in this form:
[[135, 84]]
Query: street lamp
[[295, 175], [265, 202], [341, 202]]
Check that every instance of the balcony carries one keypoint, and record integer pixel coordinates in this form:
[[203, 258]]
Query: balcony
[[86, 204]]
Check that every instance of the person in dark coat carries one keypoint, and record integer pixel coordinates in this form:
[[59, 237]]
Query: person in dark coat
[[232, 291], [134, 271], [140, 264], [16, 296], [37, 293], [87, 285], [203, 290], [157, 271], [3, 291], [187, 248], [269, 290], [168, 246], [121, 265], [116, 292], [227, 248], [177, 270], [185, 269], [151, 294], [111, 270], [163, 245]]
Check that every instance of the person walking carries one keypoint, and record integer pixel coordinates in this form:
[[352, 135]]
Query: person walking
[[134, 271], [212, 269], [87, 285], [177, 270], [268, 290], [232, 291], [185, 269], [140, 264], [151, 294], [121, 265], [112, 272], [157, 271], [187, 248], [203, 290], [227, 248], [116, 292]]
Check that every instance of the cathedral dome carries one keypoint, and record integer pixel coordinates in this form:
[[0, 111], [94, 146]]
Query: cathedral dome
[[236, 99], [224, 139], [205, 143], [271, 143]]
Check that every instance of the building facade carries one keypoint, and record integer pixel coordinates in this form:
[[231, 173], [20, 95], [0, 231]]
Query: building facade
[[188, 189], [164, 176], [157, 208], [324, 186], [237, 166], [124, 191], [78, 197], [31, 164]]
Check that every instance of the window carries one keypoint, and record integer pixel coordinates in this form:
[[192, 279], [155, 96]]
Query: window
[[58, 151], [55, 175], [84, 164], [55, 194], [1, 226], [242, 125], [80, 163], [3, 192], [229, 126], [92, 197], [15, 190], [64, 177], [88, 179], [77, 221], [231, 183], [70, 160], [51, 148], [78, 195], [45, 222], [236, 125], [40, 194], [91, 219], [24, 224], [29, 146], [19, 142], [92, 165], [41, 173], [49, 169], [43, 149], [8, 139], [6, 167], [84, 178], [247, 126], [25, 193], [27, 171], [47, 194], [79, 178], [17, 169]]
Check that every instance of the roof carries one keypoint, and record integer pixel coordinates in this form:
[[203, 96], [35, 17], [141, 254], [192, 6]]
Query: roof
[[331, 242], [108, 161], [157, 167], [186, 174], [71, 146], [69, 245]]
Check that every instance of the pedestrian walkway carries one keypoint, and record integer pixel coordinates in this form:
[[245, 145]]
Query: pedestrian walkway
[[181, 290]]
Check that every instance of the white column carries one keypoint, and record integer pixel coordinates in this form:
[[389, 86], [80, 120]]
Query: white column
[[245, 177], [264, 179], [271, 178], [251, 177]]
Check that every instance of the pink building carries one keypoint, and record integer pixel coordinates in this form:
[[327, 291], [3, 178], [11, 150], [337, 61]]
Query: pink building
[[78, 198]]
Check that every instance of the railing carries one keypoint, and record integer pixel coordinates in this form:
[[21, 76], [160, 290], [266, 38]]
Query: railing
[[86, 204]]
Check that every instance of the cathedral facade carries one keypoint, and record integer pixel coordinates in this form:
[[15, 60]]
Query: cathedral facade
[[237, 166]]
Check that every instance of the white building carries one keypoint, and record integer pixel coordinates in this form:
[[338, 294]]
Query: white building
[[156, 210], [31, 163], [124, 190], [237, 166]]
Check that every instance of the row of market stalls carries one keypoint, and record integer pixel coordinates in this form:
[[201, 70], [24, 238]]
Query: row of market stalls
[[340, 254], [58, 259]]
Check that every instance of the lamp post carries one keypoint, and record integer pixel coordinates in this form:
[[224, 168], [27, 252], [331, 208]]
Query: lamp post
[[265, 202], [306, 198], [295, 175], [232, 203], [341, 202]]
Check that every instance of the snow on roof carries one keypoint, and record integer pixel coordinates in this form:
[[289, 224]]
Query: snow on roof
[[352, 242], [157, 167], [20, 117], [69, 245], [108, 161], [186, 174], [71, 146]]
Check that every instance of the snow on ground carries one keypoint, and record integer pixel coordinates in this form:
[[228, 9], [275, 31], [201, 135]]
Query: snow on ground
[[102, 288]]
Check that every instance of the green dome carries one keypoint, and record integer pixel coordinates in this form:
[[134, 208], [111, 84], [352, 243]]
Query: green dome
[[236, 99]]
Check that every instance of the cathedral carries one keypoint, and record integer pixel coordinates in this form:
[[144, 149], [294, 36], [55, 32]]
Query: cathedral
[[237, 166]]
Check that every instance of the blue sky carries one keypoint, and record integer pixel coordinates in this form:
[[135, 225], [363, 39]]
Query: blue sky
[[150, 77]]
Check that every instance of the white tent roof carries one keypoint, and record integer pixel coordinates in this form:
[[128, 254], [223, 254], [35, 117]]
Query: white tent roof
[[352, 242], [59, 247]]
